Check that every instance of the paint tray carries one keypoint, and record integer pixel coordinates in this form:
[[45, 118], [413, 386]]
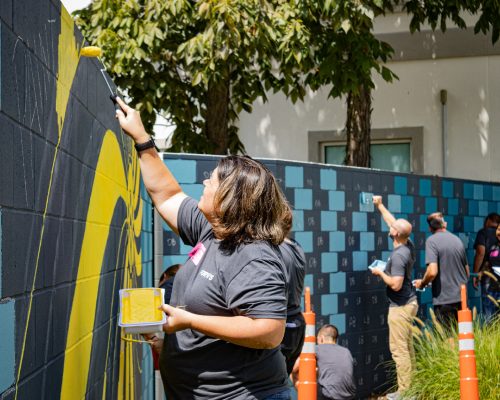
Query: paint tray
[[139, 311]]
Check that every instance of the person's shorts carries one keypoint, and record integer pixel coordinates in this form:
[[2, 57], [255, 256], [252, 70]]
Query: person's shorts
[[447, 314], [291, 346]]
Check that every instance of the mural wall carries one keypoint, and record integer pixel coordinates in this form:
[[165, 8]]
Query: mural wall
[[341, 237], [71, 218]]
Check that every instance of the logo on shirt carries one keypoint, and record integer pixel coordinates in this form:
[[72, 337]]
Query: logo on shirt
[[206, 275]]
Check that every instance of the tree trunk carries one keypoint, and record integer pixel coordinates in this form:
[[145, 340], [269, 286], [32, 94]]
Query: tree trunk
[[358, 126], [216, 125]]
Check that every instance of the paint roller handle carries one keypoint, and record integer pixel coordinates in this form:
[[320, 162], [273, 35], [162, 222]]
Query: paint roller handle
[[131, 123], [115, 103]]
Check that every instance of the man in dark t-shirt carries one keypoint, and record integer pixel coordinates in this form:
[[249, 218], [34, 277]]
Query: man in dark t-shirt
[[403, 304], [485, 238], [447, 269], [295, 263]]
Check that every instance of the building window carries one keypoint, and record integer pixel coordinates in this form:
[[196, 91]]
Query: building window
[[391, 149], [386, 155]]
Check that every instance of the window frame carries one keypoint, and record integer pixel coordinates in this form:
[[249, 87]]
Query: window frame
[[317, 140]]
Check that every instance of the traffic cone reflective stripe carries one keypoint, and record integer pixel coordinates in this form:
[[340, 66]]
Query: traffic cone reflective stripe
[[469, 384], [307, 362]]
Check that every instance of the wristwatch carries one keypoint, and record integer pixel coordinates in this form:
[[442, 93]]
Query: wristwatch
[[146, 145]]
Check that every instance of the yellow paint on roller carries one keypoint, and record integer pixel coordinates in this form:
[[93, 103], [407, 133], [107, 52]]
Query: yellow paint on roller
[[110, 184], [91, 51]]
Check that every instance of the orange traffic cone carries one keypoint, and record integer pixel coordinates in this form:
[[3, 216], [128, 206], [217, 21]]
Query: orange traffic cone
[[469, 384], [307, 363]]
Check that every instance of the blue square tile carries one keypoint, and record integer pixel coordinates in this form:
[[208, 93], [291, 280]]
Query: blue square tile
[[337, 241], [329, 304], [424, 226], [336, 200], [294, 177], [492, 206], [468, 190], [337, 282], [483, 208], [328, 220], [478, 192], [303, 199], [407, 204], [447, 188], [309, 282], [431, 205], [305, 239], [469, 224], [328, 179], [7, 344], [473, 207], [367, 241], [450, 221], [329, 262], [193, 190], [495, 193], [487, 192], [298, 220], [425, 187], [400, 185], [394, 203], [359, 260], [183, 170], [359, 221], [453, 206], [478, 223], [338, 320]]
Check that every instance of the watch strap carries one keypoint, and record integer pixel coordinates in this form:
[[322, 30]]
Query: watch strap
[[146, 145]]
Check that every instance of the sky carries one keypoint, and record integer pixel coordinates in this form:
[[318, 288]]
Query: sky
[[72, 5]]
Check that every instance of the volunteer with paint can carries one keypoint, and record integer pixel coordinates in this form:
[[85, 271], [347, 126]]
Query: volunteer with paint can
[[227, 314]]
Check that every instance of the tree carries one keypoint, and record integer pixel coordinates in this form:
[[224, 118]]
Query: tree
[[199, 63], [344, 52], [203, 62]]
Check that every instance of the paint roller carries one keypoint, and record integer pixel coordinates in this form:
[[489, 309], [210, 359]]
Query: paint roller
[[96, 52]]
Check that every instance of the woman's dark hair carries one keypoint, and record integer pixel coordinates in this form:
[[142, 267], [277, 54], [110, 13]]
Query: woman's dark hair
[[249, 205]]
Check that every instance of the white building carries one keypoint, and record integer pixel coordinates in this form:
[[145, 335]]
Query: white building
[[408, 116]]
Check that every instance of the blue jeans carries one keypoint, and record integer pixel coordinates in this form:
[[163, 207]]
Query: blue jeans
[[284, 395], [489, 308]]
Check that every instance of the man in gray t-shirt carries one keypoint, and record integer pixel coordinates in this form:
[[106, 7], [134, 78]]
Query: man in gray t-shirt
[[403, 304], [447, 269], [335, 367]]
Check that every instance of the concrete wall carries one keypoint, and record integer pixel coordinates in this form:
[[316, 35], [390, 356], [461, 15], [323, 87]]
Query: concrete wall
[[341, 237], [75, 226], [464, 64]]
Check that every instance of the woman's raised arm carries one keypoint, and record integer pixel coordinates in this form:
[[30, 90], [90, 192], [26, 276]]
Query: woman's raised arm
[[163, 188]]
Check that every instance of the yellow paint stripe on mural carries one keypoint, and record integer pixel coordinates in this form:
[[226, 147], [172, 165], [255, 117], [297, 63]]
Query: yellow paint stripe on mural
[[106, 191], [67, 65]]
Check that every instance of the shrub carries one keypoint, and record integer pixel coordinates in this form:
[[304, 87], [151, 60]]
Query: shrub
[[437, 375]]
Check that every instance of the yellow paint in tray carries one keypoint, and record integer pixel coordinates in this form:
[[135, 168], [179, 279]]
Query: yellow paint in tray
[[141, 306]]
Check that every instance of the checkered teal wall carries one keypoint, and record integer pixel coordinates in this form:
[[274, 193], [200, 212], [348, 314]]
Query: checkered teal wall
[[341, 237]]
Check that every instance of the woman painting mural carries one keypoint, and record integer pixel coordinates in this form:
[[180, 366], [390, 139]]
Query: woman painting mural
[[228, 308]]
